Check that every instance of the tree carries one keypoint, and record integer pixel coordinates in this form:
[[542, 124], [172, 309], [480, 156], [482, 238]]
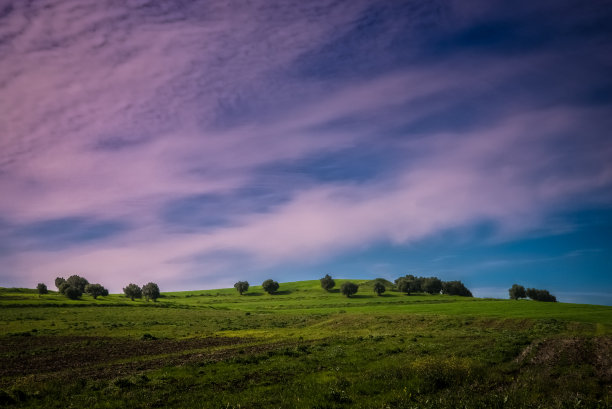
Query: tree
[[151, 291], [270, 286], [96, 290], [432, 285], [348, 288], [77, 282], [59, 281], [132, 291], [379, 288], [42, 288], [517, 291], [327, 283], [63, 287], [72, 292], [405, 285], [540, 295], [242, 286], [455, 288]]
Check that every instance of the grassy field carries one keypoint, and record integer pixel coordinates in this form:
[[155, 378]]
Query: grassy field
[[302, 348]]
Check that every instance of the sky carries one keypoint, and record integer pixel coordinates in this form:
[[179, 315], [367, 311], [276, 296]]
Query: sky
[[198, 143]]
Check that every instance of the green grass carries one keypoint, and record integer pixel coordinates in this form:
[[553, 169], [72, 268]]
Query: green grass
[[302, 348]]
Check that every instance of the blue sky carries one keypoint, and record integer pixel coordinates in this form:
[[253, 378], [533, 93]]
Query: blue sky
[[197, 143]]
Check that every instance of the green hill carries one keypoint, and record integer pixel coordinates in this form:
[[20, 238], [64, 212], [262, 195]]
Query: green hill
[[302, 347]]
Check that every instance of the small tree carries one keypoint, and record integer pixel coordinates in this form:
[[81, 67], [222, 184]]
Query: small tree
[[455, 288], [540, 295], [132, 291], [63, 287], [72, 292], [327, 283], [242, 286], [59, 281], [379, 288], [348, 288], [517, 291], [270, 286], [405, 285], [151, 291], [78, 282], [96, 290], [432, 285], [42, 288]]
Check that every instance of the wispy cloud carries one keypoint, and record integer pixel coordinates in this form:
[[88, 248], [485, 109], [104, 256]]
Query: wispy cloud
[[163, 140]]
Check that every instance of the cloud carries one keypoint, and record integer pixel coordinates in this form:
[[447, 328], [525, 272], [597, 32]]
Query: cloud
[[194, 140]]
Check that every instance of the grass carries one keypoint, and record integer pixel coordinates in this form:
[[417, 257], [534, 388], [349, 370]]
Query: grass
[[302, 348]]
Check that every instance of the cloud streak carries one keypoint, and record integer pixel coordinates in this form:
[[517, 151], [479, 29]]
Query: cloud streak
[[165, 137]]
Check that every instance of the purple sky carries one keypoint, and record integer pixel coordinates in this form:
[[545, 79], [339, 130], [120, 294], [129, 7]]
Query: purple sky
[[198, 143]]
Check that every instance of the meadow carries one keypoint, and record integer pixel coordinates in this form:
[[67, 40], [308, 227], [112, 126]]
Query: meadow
[[302, 347]]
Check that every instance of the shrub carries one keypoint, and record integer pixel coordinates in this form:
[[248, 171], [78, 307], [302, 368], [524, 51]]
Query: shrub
[[270, 286], [327, 283], [132, 291], [517, 291], [540, 295], [150, 291], [379, 288], [432, 285], [348, 288], [455, 288], [42, 288], [59, 281], [242, 286], [96, 290], [63, 287], [72, 292], [78, 282]]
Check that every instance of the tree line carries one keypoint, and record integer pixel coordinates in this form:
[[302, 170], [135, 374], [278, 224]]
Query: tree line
[[518, 291], [75, 286]]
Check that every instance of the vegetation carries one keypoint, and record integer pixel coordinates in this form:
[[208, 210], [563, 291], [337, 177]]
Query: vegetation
[[59, 281], [379, 288], [77, 282], [302, 348], [72, 292], [347, 289], [327, 283], [242, 287], [151, 291], [540, 295], [270, 286], [132, 291], [517, 291], [455, 288], [42, 288], [96, 290]]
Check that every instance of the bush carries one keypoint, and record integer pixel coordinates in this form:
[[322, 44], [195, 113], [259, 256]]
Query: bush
[[455, 288], [132, 291], [270, 286], [348, 288], [432, 285], [540, 295], [96, 290], [59, 281], [517, 291], [327, 283], [151, 291], [42, 288], [72, 292], [77, 282], [63, 287], [242, 286], [379, 288]]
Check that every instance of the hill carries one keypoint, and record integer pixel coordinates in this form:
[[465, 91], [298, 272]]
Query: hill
[[302, 347]]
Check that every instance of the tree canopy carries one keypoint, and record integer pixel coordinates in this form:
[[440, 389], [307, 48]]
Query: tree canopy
[[517, 291], [348, 288], [151, 291], [327, 283], [242, 286], [270, 286], [132, 291]]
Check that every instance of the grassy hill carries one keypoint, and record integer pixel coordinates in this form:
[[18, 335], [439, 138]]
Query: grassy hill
[[302, 347]]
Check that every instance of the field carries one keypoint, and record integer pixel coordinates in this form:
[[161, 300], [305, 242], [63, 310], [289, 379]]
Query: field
[[302, 348]]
